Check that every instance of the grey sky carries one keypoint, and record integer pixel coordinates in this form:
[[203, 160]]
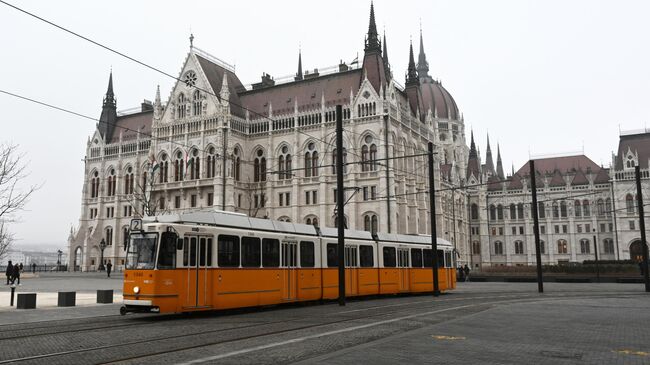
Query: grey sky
[[540, 76]]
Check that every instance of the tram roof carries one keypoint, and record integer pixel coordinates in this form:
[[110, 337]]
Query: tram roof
[[242, 221]]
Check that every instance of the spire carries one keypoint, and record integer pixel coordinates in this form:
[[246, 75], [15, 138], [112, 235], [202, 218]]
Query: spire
[[157, 105], [299, 74], [423, 65], [385, 58], [224, 94], [489, 162], [110, 97], [472, 147], [473, 165], [372, 39], [499, 163], [109, 112], [411, 76]]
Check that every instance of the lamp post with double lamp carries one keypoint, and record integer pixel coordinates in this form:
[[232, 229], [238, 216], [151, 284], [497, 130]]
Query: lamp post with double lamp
[[102, 246], [596, 255]]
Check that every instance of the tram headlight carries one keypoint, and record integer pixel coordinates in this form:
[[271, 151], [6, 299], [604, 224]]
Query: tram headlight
[[136, 289]]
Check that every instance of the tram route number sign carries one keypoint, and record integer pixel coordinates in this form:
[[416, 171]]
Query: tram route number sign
[[136, 225]]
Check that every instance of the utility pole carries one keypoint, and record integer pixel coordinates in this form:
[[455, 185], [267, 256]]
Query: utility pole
[[534, 209], [596, 255], [644, 242], [432, 212], [340, 202]]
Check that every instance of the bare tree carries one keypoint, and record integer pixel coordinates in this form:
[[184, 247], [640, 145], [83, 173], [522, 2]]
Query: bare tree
[[256, 196], [143, 200], [13, 192]]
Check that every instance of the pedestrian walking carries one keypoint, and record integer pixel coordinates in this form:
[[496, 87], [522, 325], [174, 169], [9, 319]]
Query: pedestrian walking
[[460, 273], [109, 266], [10, 273], [33, 268], [20, 267], [16, 274], [466, 271]]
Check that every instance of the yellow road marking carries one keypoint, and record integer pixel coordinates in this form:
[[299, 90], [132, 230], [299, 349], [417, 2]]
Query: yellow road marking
[[449, 338], [633, 352]]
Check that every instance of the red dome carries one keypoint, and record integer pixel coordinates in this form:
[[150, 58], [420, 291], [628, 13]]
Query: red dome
[[433, 94]]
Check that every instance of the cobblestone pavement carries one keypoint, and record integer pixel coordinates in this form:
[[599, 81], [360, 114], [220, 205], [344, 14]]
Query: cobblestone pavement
[[479, 323]]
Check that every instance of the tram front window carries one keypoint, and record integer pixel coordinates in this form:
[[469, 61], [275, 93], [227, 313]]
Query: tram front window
[[142, 251]]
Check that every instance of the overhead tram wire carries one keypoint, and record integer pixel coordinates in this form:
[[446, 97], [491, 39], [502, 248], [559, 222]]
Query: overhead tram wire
[[122, 54]]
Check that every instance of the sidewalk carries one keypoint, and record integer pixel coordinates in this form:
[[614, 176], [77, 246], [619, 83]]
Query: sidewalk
[[47, 285]]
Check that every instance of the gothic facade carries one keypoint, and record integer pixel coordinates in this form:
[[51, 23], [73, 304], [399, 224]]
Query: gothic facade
[[267, 150]]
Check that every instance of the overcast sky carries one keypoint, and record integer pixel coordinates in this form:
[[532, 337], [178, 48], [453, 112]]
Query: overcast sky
[[541, 77]]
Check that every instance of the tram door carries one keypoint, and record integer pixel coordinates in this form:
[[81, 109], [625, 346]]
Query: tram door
[[289, 268], [403, 268], [197, 258], [352, 271]]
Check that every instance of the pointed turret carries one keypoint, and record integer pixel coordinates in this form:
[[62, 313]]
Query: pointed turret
[[473, 162], [108, 119], [423, 65], [412, 76], [385, 58], [499, 164], [299, 73], [373, 64], [489, 162], [157, 105], [372, 39]]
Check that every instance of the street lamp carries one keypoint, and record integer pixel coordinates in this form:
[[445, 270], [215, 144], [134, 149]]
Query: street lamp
[[102, 246], [596, 253], [58, 261]]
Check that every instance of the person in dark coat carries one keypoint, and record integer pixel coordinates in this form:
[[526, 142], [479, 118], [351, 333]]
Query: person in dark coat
[[16, 274], [33, 268], [109, 266], [10, 273], [466, 271]]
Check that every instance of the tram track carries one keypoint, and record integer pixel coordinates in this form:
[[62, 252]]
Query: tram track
[[201, 339]]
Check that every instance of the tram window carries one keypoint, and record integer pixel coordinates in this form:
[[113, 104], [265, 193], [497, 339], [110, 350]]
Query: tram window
[[416, 257], [186, 250], [366, 258], [270, 252], [167, 254], [307, 254], [332, 255], [448, 259], [389, 257], [441, 259], [209, 240], [427, 258], [193, 251], [202, 251], [250, 252], [228, 251]]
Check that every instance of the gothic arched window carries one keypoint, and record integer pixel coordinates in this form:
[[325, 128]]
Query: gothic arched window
[[111, 183], [164, 168], [368, 154], [179, 165], [259, 166], [284, 164], [577, 207], [194, 165], [585, 208], [181, 106], [128, 181], [94, 185], [211, 163], [311, 160], [236, 164], [196, 103]]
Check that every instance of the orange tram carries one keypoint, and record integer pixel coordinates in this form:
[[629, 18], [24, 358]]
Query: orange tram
[[220, 260]]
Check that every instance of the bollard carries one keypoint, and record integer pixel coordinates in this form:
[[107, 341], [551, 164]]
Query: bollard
[[67, 299], [104, 296], [13, 290], [26, 301]]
